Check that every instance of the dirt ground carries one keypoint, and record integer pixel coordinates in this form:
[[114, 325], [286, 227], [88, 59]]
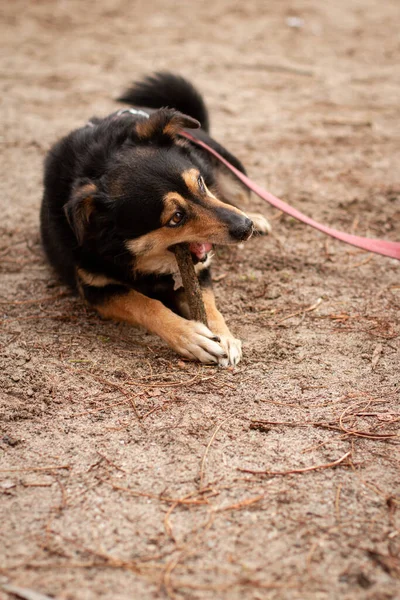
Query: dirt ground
[[122, 468]]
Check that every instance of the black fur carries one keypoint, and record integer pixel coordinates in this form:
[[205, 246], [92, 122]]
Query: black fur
[[104, 184]]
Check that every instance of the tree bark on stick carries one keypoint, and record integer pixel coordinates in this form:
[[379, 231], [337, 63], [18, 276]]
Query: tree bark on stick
[[190, 283]]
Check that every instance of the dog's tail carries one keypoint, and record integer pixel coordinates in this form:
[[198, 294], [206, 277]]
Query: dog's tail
[[168, 90]]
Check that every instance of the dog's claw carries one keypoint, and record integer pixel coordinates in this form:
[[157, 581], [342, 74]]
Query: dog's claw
[[196, 342], [233, 351]]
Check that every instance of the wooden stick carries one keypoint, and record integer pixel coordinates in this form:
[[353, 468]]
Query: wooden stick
[[305, 470], [190, 283]]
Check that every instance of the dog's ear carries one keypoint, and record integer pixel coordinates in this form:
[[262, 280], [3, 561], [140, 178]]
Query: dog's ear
[[165, 122], [80, 207]]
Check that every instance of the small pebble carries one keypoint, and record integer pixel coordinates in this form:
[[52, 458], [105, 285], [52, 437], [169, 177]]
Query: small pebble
[[295, 22], [7, 439]]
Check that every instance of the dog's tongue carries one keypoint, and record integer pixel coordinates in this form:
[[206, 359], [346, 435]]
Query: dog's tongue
[[200, 250]]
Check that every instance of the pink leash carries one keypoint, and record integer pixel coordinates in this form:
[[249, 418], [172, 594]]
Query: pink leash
[[386, 248]]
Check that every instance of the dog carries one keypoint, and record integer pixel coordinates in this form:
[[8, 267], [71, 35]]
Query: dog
[[122, 191]]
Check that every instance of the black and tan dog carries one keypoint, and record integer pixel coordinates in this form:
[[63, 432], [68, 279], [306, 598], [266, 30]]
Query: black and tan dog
[[121, 191]]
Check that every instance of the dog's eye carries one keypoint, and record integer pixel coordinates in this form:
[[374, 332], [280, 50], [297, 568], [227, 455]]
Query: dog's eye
[[176, 219], [202, 185]]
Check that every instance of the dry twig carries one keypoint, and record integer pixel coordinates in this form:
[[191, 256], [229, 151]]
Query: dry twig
[[203, 460], [29, 469], [240, 505], [363, 434], [24, 593], [304, 470], [301, 312]]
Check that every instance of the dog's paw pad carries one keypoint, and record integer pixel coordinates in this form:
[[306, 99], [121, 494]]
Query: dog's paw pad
[[261, 225]]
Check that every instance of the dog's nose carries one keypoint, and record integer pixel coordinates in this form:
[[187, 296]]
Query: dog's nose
[[242, 229]]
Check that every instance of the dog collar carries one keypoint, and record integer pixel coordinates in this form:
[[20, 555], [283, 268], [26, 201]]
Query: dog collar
[[124, 111], [133, 111]]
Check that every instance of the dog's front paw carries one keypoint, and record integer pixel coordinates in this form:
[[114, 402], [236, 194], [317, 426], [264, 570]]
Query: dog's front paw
[[260, 223], [195, 341], [233, 350]]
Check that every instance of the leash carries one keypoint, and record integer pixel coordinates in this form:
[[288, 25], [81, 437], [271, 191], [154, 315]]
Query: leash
[[384, 247]]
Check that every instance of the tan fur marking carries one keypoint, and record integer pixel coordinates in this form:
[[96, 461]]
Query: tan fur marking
[[146, 128], [216, 321], [94, 280], [85, 194], [190, 177], [83, 208], [86, 209], [172, 128], [178, 122], [86, 190], [141, 245], [162, 263], [137, 309]]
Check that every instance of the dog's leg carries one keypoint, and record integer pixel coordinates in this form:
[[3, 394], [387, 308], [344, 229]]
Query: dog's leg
[[190, 339], [216, 322]]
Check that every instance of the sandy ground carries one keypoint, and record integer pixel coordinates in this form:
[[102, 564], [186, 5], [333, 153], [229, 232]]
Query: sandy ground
[[120, 465]]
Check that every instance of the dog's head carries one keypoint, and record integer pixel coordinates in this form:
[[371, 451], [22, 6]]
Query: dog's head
[[156, 192]]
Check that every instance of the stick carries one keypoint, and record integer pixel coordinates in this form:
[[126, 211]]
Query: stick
[[28, 469], [24, 593], [305, 470], [203, 460], [190, 283]]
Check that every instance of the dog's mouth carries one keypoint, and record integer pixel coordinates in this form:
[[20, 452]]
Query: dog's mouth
[[200, 250]]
